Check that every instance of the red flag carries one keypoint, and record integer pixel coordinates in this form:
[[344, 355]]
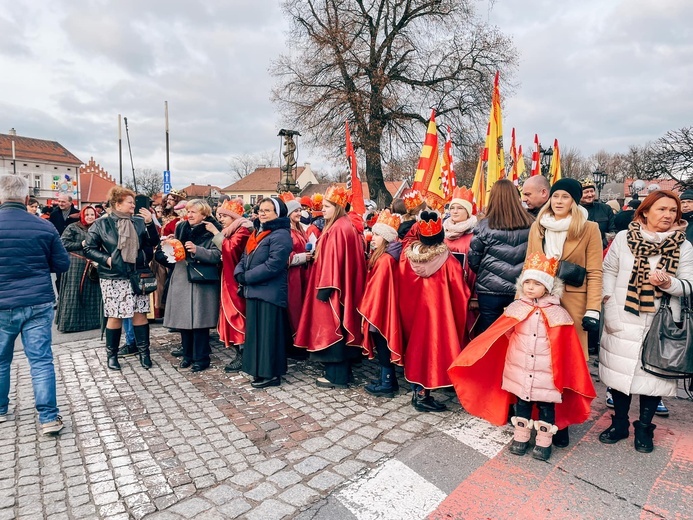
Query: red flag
[[536, 158], [353, 180]]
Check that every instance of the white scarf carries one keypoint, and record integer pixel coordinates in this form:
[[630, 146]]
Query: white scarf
[[555, 235], [454, 230]]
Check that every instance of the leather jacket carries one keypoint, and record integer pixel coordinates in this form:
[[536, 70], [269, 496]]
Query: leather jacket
[[102, 243]]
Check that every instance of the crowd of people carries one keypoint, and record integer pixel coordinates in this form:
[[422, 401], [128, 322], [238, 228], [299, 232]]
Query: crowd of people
[[504, 303]]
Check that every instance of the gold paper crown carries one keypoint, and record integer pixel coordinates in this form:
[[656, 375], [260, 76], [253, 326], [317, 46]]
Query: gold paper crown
[[412, 199], [539, 262], [233, 206], [178, 194], [389, 219], [430, 225], [461, 192], [337, 195], [587, 182], [286, 196]]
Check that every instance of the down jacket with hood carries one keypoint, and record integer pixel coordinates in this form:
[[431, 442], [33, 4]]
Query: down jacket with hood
[[624, 332], [497, 256], [528, 371]]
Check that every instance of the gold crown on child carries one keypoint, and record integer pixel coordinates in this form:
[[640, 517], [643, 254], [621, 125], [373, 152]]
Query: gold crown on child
[[539, 262]]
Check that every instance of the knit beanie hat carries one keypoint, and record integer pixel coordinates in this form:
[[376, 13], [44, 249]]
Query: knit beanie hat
[[573, 187]]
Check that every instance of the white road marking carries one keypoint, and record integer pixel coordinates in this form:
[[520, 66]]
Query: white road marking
[[392, 491], [482, 436]]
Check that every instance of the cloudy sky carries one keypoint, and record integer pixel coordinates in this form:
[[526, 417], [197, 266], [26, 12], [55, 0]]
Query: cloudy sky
[[596, 74]]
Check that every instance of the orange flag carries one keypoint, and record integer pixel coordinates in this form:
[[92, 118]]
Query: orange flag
[[429, 178], [479, 185], [448, 171], [520, 163], [353, 180], [556, 163], [513, 156]]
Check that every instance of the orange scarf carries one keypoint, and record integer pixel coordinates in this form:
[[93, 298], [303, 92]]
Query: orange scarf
[[254, 240]]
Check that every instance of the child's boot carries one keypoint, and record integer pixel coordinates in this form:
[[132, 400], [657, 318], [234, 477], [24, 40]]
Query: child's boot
[[545, 432], [523, 431]]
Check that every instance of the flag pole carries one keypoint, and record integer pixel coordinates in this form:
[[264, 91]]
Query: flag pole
[[168, 168], [120, 150]]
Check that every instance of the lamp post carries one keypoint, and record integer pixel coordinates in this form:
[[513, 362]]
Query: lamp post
[[288, 162], [599, 178], [545, 160]]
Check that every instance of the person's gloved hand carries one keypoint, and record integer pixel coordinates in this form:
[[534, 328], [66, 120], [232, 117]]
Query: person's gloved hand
[[324, 294], [240, 278], [590, 324]]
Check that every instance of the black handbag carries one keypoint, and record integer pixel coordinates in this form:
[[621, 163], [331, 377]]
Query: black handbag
[[571, 274], [143, 281], [666, 349], [203, 273]]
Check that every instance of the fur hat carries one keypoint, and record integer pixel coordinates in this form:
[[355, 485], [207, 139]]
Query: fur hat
[[571, 186], [387, 225], [431, 228], [541, 269]]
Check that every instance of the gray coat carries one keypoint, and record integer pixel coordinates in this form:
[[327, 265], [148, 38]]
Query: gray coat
[[193, 305]]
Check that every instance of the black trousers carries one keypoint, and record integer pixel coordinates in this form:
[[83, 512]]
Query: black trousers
[[547, 411], [648, 406], [195, 343], [491, 306]]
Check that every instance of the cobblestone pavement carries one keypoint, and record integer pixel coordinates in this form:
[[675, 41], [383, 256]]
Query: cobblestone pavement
[[169, 444]]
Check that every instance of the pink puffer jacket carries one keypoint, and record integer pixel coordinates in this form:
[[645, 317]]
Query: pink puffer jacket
[[528, 372]]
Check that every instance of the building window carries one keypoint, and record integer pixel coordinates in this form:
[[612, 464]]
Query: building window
[[259, 198], [37, 181], [252, 199], [38, 166]]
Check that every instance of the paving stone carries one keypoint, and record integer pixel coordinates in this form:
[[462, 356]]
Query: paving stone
[[335, 453], [398, 436], [325, 480], [316, 444], [286, 478], [298, 495], [369, 456], [221, 494], [261, 492], [385, 447], [270, 466], [234, 508], [270, 510], [311, 465], [354, 442], [246, 478], [191, 507]]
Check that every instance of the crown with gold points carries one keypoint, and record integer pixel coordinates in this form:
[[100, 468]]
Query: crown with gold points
[[541, 269], [588, 182], [412, 199], [338, 195], [286, 196], [387, 225], [232, 207]]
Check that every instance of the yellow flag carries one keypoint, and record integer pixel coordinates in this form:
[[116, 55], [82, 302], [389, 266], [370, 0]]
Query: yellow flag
[[556, 163], [479, 184], [495, 155]]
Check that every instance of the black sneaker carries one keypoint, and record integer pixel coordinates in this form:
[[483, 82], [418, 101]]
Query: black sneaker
[[235, 364], [129, 349]]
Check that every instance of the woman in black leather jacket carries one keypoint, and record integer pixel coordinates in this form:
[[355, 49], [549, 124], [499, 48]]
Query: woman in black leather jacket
[[118, 243]]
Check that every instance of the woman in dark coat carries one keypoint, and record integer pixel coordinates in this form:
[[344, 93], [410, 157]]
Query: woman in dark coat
[[193, 308], [497, 251], [118, 243], [79, 307], [262, 274]]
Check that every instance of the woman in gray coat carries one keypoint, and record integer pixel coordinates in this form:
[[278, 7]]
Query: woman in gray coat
[[193, 308]]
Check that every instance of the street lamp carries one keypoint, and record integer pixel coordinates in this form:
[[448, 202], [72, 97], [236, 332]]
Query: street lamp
[[288, 161], [545, 160], [599, 178], [635, 188]]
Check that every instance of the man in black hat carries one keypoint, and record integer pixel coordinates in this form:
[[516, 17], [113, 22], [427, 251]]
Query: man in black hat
[[687, 210], [624, 217], [597, 211]]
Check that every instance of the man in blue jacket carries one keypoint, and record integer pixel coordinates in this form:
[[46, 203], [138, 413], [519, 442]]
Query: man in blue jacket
[[30, 250]]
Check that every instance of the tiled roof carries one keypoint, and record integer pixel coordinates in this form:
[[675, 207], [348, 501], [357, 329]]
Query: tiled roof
[[261, 180], [200, 190], [664, 184], [94, 183], [39, 150], [392, 186]]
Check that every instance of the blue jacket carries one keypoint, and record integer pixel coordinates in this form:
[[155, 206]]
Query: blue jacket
[[263, 273], [30, 250]]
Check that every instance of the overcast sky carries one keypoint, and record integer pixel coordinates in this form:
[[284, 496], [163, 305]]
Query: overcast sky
[[596, 74]]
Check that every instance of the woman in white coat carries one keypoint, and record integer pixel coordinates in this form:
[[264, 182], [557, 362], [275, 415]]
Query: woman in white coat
[[649, 259]]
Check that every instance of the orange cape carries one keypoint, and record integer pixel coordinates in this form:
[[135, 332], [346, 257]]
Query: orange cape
[[477, 373]]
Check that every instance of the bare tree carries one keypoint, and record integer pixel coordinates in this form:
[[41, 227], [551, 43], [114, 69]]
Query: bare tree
[[149, 182], [243, 164], [573, 164], [381, 64], [671, 156]]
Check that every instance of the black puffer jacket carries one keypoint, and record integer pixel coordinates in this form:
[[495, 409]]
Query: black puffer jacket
[[497, 256], [603, 215], [102, 242]]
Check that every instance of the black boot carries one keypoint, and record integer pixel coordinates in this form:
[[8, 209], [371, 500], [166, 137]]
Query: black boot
[[561, 438], [112, 343], [423, 402], [142, 341], [616, 432], [644, 433], [384, 387]]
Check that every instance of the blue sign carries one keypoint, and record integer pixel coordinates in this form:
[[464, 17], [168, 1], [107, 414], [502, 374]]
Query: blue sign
[[167, 182], [167, 188]]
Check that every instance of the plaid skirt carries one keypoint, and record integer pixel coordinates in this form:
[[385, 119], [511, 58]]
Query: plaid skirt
[[120, 302]]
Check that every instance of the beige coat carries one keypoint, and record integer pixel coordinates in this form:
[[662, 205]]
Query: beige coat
[[586, 251]]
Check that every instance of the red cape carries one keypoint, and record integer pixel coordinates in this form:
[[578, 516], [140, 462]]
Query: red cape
[[340, 265], [411, 236], [298, 280], [433, 314], [232, 316], [379, 307], [477, 374]]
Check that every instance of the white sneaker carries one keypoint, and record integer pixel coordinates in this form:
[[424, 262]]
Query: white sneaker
[[52, 427]]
